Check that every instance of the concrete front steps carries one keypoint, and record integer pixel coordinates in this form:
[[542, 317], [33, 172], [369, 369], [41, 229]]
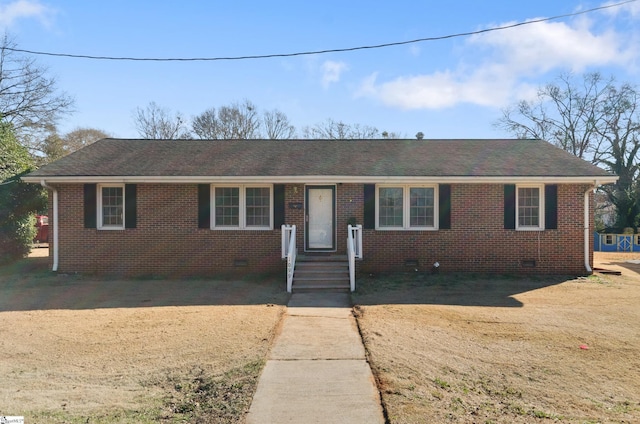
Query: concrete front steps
[[321, 273]]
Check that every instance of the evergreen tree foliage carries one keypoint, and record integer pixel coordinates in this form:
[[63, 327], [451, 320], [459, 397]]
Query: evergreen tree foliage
[[18, 201]]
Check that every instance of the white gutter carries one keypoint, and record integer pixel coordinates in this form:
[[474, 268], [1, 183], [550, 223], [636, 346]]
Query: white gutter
[[325, 179], [587, 247], [43, 183]]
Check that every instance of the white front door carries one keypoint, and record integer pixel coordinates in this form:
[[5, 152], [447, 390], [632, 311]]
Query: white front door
[[320, 218]]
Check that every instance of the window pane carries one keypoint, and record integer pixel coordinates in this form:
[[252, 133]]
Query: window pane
[[529, 207], [112, 206], [390, 206], [421, 212], [227, 201], [258, 207]]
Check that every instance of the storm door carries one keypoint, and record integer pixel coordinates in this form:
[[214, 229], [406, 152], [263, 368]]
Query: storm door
[[320, 215]]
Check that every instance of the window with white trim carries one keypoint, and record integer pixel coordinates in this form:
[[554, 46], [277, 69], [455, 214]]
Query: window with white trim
[[111, 206], [242, 207], [530, 207], [406, 207]]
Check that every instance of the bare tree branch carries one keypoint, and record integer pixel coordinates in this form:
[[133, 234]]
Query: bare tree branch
[[157, 123], [206, 126], [596, 120], [277, 125], [29, 99], [237, 121], [338, 130]]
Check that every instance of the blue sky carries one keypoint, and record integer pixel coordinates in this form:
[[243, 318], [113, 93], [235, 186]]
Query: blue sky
[[454, 88]]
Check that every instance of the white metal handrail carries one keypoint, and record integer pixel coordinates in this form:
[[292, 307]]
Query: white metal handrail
[[356, 232], [354, 250], [289, 251], [286, 235]]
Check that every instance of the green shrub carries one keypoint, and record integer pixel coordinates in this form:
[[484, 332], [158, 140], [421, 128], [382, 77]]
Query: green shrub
[[16, 236]]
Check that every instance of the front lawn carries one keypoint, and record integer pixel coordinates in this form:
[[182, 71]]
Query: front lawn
[[76, 349], [474, 349]]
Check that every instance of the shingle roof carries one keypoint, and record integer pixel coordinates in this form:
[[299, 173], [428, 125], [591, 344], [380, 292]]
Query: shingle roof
[[318, 158]]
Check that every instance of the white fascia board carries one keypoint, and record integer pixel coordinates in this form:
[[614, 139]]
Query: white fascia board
[[319, 179]]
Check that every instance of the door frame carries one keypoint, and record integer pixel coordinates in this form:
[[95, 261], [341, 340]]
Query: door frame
[[333, 189]]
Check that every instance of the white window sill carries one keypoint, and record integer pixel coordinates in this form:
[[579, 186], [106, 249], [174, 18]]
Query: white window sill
[[241, 229], [529, 229], [406, 229]]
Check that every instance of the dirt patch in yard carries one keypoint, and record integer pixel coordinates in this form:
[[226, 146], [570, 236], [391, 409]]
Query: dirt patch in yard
[[474, 349], [76, 349]]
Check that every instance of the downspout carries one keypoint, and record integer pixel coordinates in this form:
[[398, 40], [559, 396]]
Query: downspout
[[43, 183], [587, 232]]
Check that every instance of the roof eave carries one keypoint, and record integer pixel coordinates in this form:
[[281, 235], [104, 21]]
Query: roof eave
[[325, 179]]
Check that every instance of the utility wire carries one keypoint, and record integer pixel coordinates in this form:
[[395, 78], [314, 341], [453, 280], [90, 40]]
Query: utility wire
[[316, 52]]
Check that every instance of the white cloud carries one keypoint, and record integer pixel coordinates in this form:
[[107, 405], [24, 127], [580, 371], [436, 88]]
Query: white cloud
[[21, 9], [439, 90], [542, 46], [509, 58], [331, 72], [631, 8]]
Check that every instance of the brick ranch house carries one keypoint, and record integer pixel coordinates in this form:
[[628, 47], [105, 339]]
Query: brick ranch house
[[201, 207]]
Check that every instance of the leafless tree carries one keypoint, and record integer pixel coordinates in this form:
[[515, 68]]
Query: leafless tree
[[564, 113], [206, 125], [29, 99], [243, 121], [277, 125], [237, 121], [597, 120], [338, 130], [158, 123]]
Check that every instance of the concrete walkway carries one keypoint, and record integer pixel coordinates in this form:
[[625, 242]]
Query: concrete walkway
[[316, 372]]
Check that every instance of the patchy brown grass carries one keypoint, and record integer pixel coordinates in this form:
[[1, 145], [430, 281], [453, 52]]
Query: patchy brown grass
[[77, 349], [475, 349], [467, 349]]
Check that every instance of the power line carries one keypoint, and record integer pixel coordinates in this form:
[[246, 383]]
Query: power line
[[316, 52]]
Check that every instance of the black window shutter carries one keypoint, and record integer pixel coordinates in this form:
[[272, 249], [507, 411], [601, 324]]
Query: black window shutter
[[204, 206], [551, 207], [278, 205], [369, 206], [444, 206], [90, 206], [130, 206], [509, 207]]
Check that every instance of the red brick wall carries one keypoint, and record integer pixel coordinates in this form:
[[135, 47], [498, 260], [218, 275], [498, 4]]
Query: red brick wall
[[294, 195], [478, 242], [349, 205], [168, 242]]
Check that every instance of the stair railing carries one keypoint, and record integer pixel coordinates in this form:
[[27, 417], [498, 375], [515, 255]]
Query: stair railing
[[289, 252], [354, 250]]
